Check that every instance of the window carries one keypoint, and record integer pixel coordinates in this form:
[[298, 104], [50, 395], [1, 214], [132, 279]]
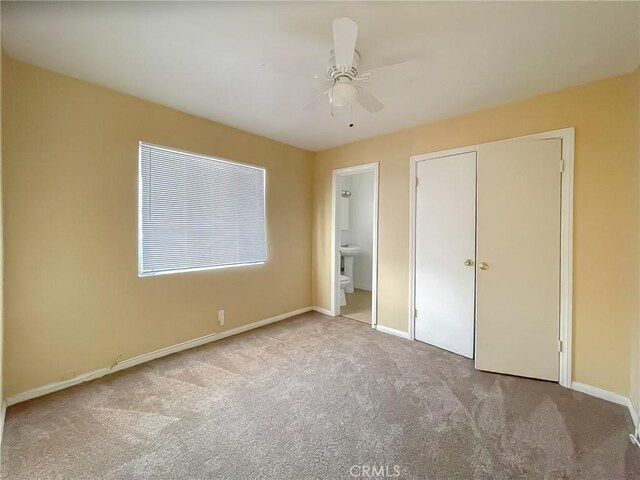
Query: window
[[197, 212]]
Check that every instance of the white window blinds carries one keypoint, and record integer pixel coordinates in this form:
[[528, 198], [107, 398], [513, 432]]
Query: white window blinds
[[197, 212]]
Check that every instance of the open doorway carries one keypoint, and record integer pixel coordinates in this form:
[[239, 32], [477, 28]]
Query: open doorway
[[354, 265]]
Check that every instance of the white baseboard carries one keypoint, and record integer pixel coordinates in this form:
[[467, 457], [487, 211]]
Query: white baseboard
[[634, 414], [54, 387], [600, 393], [324, 311], [366, 288], [3, 413], [146, 357], [607, 395], [392, 331]]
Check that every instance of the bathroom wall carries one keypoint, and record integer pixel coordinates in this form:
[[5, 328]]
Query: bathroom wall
[[360, 230], [344, 210], [361, 227]]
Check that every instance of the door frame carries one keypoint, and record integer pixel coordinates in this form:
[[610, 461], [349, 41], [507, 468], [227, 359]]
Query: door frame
[[335, 248], [567, 135]]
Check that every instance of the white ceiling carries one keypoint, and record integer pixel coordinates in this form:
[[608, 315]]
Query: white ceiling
[[251, 65]]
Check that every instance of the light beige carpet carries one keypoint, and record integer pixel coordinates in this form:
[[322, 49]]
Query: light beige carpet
[[358, 306], [316, 398]]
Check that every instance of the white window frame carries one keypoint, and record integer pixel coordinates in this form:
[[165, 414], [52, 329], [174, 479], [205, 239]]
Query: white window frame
[[139, 207]]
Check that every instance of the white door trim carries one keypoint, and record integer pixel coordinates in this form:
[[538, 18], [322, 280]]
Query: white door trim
[[335, 249], [566, 241]]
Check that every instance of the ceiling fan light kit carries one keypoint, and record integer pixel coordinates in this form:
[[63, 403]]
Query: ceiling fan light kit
[[344, 93]]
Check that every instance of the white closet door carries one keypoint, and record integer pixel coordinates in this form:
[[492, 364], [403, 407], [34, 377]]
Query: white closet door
[[445, 240], [518, 293]]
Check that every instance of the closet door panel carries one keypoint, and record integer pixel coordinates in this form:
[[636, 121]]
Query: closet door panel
[[445, 239], [518, 276]]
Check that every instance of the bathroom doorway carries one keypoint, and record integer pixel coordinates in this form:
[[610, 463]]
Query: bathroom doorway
[[355, 243]]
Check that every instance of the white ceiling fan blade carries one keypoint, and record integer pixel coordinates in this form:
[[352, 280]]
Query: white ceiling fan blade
[[401, 66], [315, 100], [345, 32], [370, 103], [276, 69]]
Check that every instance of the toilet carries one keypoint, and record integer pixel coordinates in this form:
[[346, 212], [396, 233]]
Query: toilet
[[344, 283]]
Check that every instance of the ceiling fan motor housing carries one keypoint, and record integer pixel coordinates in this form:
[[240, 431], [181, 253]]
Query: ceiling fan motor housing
[[335, 72]]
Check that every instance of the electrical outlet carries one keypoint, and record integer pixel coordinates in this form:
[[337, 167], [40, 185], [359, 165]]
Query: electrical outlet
[[221, 317]]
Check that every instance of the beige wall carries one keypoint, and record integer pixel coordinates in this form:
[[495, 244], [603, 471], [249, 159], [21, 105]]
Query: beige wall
[[605, 223], [1, 256], [74, 301], [635, 335]]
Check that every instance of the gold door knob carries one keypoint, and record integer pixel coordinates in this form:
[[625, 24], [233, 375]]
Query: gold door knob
[[468, 262], [483, 266]]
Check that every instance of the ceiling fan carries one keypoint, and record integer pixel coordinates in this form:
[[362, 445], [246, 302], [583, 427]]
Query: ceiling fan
[[343, 71]]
